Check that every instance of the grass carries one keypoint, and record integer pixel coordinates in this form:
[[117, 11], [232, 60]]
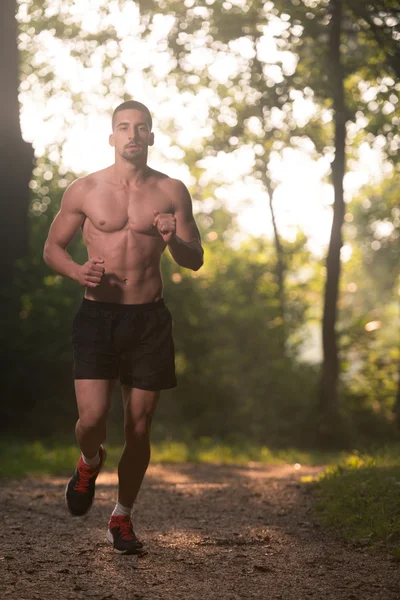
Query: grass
[[18, 459], [360, 498]]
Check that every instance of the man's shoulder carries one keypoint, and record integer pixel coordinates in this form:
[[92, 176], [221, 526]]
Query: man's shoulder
[[76, 193], [85, 183], [170, 184], [92, 179], [80, 184]]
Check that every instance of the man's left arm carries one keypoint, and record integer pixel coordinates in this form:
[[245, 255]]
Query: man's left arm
[[179, 230]]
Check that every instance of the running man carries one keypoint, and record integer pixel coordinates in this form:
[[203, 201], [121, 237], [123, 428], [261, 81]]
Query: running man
[[129, 213]]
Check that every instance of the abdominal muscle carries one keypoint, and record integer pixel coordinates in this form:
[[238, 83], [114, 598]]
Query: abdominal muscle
[[131, 263]]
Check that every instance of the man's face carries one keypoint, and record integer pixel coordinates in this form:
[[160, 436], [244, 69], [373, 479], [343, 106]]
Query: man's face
[[131, 134]]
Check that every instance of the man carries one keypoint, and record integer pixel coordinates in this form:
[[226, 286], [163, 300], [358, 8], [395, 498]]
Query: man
[[129, 214]]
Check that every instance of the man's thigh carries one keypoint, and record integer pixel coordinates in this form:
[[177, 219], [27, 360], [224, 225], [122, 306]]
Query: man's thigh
[[93, 397], [139, 404]]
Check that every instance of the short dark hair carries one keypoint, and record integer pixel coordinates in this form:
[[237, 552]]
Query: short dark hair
[[133, 104]]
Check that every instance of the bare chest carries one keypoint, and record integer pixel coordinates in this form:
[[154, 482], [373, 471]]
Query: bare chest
[[110, 211]]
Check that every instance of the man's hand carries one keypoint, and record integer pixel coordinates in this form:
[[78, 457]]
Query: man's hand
[[91, 273], [166, 225]]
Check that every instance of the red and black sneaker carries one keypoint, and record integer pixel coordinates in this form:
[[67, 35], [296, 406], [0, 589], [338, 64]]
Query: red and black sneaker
[[80, 489], [120, 533]]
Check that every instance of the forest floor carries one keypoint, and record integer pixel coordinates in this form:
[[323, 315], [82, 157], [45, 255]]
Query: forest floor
[[210, 531]]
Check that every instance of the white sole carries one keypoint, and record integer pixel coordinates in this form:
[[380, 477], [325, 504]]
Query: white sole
[[110, 540], [109, 537]]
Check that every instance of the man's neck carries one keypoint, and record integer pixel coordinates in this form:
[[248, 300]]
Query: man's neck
[[130, 174]]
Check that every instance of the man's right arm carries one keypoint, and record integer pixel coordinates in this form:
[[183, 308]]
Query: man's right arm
[[62, 231]]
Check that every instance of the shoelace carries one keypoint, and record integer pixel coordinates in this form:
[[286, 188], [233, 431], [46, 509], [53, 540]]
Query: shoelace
[[125, 527], [85, 476]]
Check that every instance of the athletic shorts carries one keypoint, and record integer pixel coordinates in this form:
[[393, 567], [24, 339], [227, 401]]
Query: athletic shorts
[[129, 342]]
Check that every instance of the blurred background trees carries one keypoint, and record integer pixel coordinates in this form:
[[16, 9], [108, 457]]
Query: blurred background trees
[[246, 322], [16, 155]]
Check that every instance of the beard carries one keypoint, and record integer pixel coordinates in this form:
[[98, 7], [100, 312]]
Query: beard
[[132, 154]]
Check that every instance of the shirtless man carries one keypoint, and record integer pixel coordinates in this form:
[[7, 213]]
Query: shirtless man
[[129, 214]]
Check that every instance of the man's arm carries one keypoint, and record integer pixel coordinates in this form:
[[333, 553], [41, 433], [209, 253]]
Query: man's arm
[[179, 230], [62, 231]]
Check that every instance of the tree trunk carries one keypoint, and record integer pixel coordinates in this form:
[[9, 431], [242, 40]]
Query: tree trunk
[[16, 156], [280, 255], [280, 263], [16, 161], [328, 405]]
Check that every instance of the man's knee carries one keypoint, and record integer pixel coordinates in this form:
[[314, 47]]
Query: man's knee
[[137, 431], [89, 422]]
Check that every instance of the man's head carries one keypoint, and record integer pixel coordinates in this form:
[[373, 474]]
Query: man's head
[[131, 131], [133, 105]]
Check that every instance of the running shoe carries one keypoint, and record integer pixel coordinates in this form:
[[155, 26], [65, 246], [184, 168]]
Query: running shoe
[[80, 489], [121, 535]]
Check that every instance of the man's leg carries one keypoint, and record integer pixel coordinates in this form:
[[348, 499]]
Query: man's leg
[[93, 399], [139, 409]]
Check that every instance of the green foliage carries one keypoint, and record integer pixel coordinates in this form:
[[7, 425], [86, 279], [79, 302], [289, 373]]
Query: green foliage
[[376, 232], [22, 459], [48, 25], [380, 20], [370, 317], [36, 356], [232, 375], [244, 106], [360, 498], [370, 58], [228, 326]]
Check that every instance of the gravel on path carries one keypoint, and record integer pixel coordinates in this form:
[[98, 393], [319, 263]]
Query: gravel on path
[[211, 532]]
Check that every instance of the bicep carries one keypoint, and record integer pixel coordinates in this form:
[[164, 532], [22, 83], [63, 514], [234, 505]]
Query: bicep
[[67, 221]]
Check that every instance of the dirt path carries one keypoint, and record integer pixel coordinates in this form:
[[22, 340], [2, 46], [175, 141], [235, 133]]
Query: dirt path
[[212, 532]]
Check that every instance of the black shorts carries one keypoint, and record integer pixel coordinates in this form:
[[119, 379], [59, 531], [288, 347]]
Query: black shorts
[[132, 342]]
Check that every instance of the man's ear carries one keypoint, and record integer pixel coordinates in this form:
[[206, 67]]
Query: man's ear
[[111, 140], [151, 139]]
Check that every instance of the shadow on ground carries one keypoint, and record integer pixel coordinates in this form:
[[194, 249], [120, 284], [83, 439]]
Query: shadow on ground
[[215, 532]]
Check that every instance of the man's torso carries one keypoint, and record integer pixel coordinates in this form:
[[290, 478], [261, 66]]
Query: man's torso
[[118, 226]]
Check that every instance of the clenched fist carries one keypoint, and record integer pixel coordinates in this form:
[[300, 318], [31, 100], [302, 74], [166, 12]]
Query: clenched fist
[[166, 225], [91, 273]]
